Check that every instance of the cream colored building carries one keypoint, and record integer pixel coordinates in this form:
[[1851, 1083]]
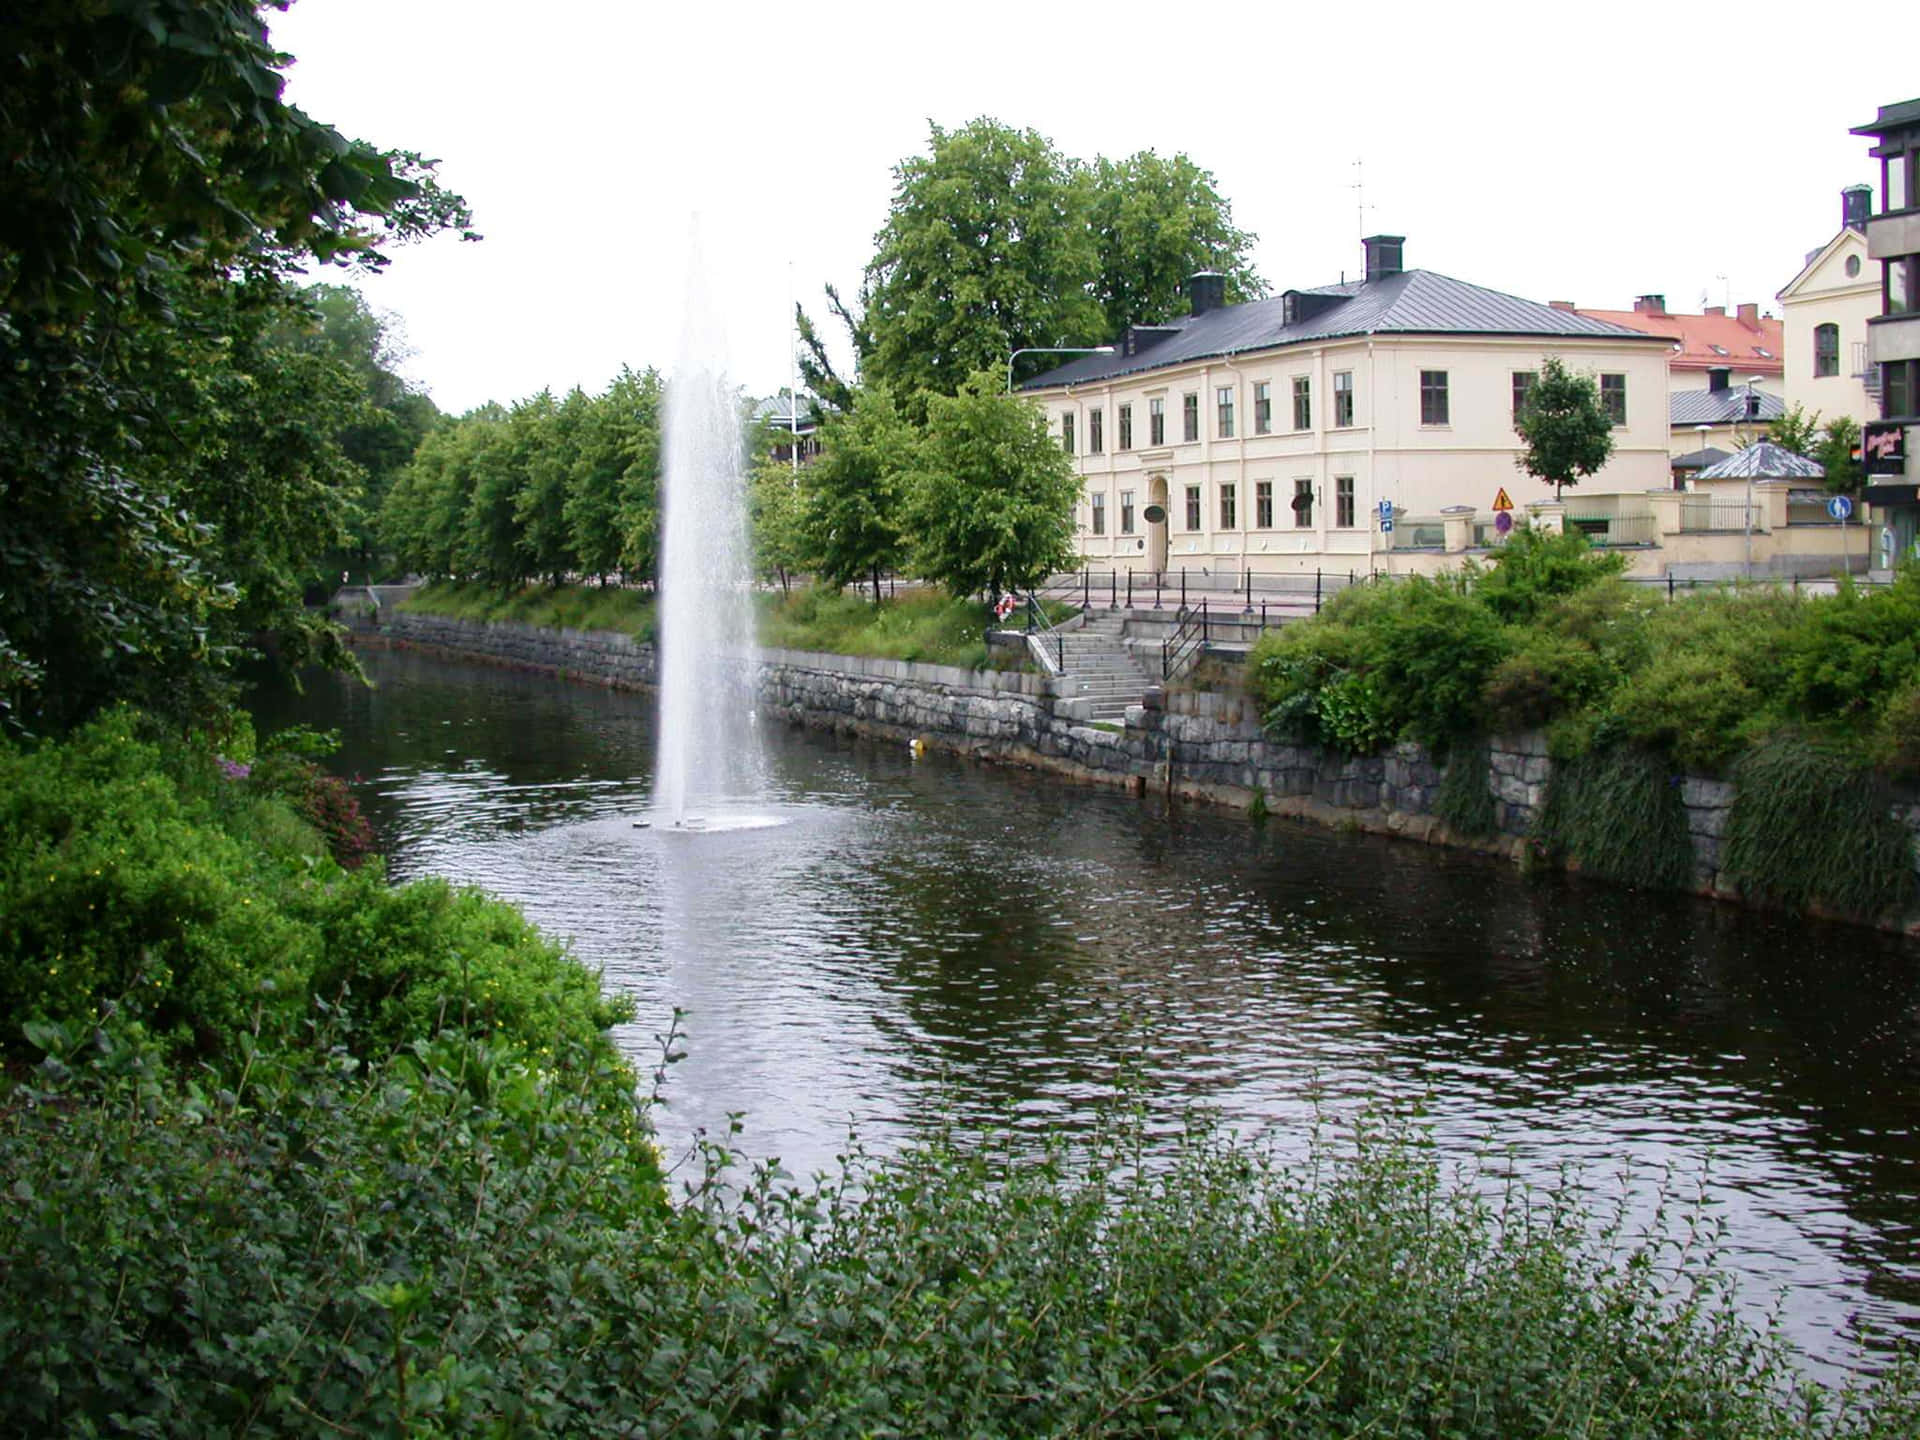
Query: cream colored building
[[1826, 308], [1268, 436]]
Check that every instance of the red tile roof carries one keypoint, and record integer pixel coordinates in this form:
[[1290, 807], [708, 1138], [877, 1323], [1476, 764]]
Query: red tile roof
[[1745, 342]]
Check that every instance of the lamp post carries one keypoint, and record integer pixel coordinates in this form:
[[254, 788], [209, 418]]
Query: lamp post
[[1052, 350], [1753, 413]]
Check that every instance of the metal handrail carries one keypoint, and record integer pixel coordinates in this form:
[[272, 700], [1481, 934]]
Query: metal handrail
[[1039, 630], [1188, 639]]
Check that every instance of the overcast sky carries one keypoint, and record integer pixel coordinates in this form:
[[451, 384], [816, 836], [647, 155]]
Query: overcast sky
[[1588, 152]]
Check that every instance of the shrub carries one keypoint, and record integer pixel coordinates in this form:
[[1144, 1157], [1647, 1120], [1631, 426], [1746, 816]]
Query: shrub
[[1533, 568], [459, 1243], [1464, 799], [1618, 813], [1812, 826]]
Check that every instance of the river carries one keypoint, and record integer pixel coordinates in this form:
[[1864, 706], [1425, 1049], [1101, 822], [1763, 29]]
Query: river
[[925, 938]]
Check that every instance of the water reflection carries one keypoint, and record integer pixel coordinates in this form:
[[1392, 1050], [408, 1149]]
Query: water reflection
[[919, 938]]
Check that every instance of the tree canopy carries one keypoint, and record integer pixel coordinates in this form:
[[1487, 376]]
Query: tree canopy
[[855, 497], [990, 508], [996, 241], [1565, 425], [172, 458]]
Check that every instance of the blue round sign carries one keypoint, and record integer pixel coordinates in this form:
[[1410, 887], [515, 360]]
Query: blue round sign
[[1840, 507]]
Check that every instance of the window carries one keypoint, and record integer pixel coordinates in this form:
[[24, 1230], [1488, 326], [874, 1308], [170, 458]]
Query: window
[[1613, 396], [1263, 504], [1303, 504], [1826, 350], [1099, 503], [1223, 412], [1522, 384], [1898, 174], [1193, 507], [1903, 286], [1126, 427], [1853, 266], [1342, 398], [1096, 431], [1899, 389], [1126, 512], [1229, 505], [1190, 416], [1433, 397], [1262, 407], [1302, 403], [1343, 499], [1156, 422], [1066, 432]]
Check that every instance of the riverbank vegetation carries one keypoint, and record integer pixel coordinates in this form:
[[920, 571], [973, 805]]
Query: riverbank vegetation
[[1755, 684]]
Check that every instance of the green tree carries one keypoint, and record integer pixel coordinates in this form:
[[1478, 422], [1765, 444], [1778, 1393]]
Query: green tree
[[1158, 220], [157, 195], [990, 508], [854, 507], [1797, 431], [775, 509], [1838, 452], [546, 443], [1565, 425], [613, 491], [988, 248]]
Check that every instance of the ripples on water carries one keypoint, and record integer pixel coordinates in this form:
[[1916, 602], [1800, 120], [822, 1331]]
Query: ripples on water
[[932, 938]]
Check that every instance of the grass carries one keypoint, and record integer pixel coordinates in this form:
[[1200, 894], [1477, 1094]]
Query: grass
[[929, 626], [565, 607]]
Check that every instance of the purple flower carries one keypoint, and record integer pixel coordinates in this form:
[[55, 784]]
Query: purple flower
[[232, 769]]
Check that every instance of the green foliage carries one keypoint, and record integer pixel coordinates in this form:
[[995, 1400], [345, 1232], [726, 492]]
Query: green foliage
[[1565, 426], [855, 493], [1838, 452], [775, 509], [1797, 431], [173, 452], [1534, 568], [1618, 813], [1810, 826], [1465, 799], [1158, 220], [1379, 664], [135, 869], [923, 625], [460, 1243], [990, 509]]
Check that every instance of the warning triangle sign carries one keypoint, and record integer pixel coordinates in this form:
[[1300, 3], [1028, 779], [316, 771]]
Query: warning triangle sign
[[1501, 501]]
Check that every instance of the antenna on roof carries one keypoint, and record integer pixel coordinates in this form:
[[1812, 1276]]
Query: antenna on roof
[[1360, 206]]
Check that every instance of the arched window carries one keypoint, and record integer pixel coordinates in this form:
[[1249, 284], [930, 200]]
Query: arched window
[[1826, 350]]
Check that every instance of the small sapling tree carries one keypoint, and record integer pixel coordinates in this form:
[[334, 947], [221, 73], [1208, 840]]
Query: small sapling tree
[[1565, 425]]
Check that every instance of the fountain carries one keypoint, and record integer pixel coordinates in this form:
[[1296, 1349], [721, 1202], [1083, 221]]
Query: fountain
[[708, 773]]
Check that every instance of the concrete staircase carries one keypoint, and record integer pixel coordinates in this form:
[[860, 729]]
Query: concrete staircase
[[1102, 667]]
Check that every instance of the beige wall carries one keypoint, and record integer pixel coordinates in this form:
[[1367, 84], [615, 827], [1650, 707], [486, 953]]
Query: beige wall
[[1825, 294], [1388, 452]]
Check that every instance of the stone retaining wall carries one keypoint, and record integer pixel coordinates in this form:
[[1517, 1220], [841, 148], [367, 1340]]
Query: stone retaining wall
[[1196, 745]]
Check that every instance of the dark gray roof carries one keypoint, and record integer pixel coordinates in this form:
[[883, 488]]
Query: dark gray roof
[[1698, 459], [1720, 407], [1413, 302]]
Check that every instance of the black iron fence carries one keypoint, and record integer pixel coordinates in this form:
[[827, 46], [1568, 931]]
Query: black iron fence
[[1280, 595]]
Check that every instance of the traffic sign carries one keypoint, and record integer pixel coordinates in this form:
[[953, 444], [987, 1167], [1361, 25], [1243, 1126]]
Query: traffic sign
[[1503, 522], [1386, 510], [1502, 501], [1840, 507], [1386, 524]]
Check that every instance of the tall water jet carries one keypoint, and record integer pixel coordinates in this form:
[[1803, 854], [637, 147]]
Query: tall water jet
[[709, 758]]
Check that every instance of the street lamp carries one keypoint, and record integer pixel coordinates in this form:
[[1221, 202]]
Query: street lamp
[[1052, 350]]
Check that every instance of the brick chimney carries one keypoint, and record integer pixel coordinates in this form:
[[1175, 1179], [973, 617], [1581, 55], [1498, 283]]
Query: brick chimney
[[1717, 310], [1856, 204], [1719, 377], [1750, 316], [1559, 304], [1649, 304]]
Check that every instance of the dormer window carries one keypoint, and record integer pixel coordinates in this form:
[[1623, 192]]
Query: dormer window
[[1719, 349], [1763, 352]]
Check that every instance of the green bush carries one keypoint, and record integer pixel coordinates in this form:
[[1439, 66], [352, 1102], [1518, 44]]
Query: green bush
[[1533, 568], [1812, 826], [928, 626], [134, 868], [1465, 799], [555, 607], [460, 1243], [1618, 814]]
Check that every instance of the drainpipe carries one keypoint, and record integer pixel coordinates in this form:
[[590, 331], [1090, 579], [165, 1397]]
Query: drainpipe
[[1240, 497], [1373, 441]]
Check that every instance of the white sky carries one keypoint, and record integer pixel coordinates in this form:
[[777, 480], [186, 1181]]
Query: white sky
[[1588, 152]]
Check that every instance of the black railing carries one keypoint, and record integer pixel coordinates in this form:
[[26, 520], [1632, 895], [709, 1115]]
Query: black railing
[[1302, 592], [1040, 630], [1188, 640]]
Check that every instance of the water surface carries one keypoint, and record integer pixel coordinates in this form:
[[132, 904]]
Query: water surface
[[932, 937]]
